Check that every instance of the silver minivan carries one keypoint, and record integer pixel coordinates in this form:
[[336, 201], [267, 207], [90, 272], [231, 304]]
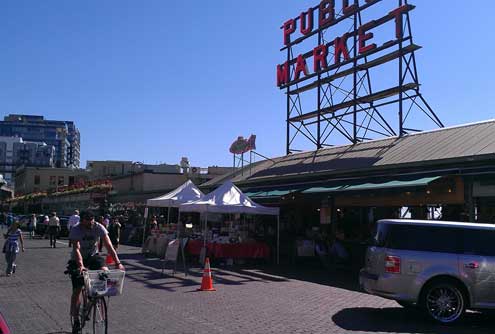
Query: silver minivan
[[443, 268]]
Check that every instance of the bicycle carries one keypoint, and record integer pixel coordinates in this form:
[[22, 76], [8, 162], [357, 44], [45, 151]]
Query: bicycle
[[98, 284]]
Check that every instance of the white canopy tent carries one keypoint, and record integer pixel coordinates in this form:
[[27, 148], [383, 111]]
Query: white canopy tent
[[229, 199], [187, 192]]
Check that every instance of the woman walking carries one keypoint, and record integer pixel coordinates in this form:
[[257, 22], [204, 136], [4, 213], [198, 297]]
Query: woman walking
[[11, 246]]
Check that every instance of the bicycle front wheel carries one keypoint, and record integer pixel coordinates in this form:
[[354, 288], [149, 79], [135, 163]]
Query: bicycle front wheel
[[83, 306], [100, 319]]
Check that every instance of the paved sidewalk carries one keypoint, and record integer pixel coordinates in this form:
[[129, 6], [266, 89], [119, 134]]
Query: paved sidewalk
[[262, 300]]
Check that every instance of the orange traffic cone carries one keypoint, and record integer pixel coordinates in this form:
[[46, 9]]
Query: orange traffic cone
[[207, 282], [109, 260]]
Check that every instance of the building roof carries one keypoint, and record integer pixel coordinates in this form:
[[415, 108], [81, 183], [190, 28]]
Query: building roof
[[469, 142]]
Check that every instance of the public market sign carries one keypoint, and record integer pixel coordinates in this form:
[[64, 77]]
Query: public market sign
[[328, 56]]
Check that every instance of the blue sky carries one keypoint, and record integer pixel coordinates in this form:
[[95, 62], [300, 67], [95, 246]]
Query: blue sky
[[157, 80]]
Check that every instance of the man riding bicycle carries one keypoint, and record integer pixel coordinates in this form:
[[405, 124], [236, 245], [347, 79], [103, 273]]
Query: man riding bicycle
[[84, 238]]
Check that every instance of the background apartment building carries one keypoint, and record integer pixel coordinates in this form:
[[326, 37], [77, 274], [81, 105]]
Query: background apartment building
[[15, 152], [62, 135]]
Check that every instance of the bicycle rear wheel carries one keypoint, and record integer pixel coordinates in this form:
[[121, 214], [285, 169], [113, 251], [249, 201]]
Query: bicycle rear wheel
[[100, 319]]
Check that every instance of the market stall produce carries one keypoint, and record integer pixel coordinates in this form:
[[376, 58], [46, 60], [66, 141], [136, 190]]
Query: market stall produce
[[228, 199], [251, 250]]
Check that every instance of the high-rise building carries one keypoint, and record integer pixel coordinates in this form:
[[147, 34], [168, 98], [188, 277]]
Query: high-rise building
[[63, 135], [14, 153]]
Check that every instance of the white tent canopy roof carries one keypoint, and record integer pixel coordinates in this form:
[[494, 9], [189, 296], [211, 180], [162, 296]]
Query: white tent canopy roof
[[227, 199], [188, 192]]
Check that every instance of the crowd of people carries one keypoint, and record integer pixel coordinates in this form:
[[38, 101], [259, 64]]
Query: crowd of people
[[14, 236]]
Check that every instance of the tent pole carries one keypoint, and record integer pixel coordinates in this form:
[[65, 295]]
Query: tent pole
[[205, 227], [168, 215], [278, 239], [181, 227], [144, 227]]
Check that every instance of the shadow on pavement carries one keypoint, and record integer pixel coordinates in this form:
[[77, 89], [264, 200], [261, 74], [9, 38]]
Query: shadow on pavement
[[401, 320], [153, 279], [338, 278], [148, 271]]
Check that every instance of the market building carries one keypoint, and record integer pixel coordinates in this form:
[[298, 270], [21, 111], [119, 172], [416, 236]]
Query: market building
[[105, 186], [355, 150], [46, 179], [446, 174]]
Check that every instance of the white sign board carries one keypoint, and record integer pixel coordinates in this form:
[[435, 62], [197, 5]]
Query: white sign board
[[172, 250]]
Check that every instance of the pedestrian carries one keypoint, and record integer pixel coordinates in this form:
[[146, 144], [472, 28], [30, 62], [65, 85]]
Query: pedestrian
[[53, 229], [153, 225], [11, 246], [106, 221], [73, 221], [32, 226], [114, 232]]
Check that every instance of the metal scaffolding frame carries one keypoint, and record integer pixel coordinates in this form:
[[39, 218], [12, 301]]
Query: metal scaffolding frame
[[360, 114]]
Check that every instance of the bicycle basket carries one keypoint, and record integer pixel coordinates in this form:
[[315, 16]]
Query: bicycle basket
[[104, 282]]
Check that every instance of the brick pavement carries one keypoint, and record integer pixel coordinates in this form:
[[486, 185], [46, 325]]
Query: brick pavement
[[263, 300]]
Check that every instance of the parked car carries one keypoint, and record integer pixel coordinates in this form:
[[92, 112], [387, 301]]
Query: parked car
[[442, 268]]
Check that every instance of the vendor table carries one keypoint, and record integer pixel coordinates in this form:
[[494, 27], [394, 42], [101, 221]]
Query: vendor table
[[251, 250]]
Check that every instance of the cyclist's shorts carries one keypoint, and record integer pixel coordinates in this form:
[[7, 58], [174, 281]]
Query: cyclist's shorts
[[95, 262]]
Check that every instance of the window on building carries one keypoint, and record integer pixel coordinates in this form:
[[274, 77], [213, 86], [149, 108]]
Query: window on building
[[53, 180], [37, 179], [60, 180]]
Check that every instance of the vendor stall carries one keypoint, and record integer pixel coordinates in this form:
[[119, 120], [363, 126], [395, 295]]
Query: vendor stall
[[156, 242], [228, 199]]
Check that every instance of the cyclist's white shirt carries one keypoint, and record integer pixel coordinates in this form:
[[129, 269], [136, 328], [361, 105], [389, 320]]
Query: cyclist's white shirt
[[88, 239]]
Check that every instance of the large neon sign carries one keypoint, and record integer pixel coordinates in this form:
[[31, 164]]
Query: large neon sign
[[324, 14]]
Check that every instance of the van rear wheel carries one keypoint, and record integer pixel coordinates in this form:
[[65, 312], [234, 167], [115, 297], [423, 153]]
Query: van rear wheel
[[444, 302]]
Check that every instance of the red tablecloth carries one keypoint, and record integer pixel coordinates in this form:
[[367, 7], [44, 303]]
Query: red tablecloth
[[250, 250]]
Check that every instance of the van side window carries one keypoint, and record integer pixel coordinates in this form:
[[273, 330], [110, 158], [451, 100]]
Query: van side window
[[479, 242], [424, 238], [380, 239]]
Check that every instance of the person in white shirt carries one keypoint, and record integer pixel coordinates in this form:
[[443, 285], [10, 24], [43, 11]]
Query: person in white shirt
[[73, 221], [53, 229], [32, 226]]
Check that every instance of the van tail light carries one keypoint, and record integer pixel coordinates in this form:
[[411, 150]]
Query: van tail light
[[392, 264]]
